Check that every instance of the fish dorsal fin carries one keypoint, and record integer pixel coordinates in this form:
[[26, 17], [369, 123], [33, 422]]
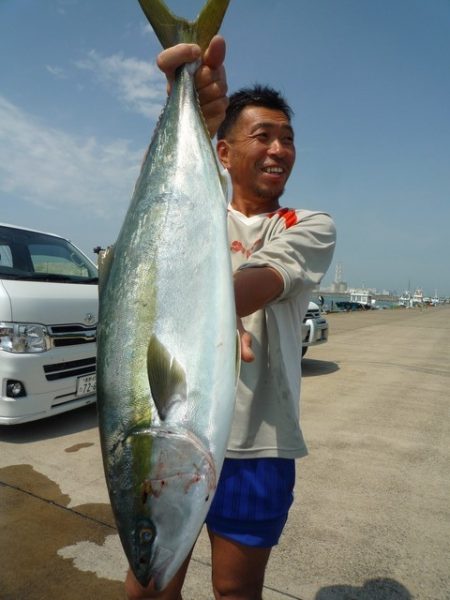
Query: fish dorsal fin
[[166, 377], [105, 260], [172, 30]]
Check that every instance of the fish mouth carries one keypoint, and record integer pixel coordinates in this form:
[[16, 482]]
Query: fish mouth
[[144, 550], [156, 570]]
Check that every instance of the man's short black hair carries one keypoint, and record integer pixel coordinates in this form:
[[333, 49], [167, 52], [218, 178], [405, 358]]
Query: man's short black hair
[[258, 95]]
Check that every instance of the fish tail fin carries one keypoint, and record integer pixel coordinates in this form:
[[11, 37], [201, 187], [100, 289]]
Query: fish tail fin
[[209, 21], [172, 30]]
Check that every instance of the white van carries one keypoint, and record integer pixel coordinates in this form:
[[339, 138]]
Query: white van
[[48, 322]]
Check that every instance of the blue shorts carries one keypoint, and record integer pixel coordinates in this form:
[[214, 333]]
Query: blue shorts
[[252, 500]]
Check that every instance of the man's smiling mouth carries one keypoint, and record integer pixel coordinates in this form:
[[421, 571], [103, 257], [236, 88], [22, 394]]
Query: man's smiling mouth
[[273, 170]]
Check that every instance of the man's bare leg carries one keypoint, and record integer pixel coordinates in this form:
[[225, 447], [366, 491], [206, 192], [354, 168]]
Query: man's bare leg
[[237, 571]]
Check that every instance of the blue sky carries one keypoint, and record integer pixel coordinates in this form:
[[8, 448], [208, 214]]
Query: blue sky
[[369, 82]]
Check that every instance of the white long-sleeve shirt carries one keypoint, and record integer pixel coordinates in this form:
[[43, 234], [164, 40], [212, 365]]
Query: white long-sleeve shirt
[[299, 244]]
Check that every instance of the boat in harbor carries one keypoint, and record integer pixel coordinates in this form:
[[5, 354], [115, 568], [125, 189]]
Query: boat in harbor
[[435, 300], [405, 299], [410, 300], [359, 299], [362, 297], [417, 299]]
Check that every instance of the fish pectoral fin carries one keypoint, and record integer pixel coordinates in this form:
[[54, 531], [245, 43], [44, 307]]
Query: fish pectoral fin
[[172, 30], [105, 260], [166, 377]]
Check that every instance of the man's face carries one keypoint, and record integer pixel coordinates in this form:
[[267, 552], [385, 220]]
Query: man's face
[[259, 154]]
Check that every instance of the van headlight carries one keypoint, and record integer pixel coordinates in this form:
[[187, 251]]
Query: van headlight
[[24, 338]]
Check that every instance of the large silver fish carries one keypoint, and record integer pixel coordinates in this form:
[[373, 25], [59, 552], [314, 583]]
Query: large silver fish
[[167, 362]]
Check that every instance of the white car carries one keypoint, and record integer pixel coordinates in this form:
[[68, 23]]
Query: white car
[[314, 328], [48, 320]]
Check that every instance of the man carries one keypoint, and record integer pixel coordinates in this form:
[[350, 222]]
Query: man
[[278, 255]]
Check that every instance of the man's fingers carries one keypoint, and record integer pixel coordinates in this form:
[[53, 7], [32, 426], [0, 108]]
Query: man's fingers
[[210, 77], [216, 78], [247, 354], [211, 85], [214, 114], [213, 91], [170, 59], [215, 53]]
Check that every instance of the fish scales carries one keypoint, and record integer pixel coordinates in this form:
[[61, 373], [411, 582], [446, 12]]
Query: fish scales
[[167, 344]]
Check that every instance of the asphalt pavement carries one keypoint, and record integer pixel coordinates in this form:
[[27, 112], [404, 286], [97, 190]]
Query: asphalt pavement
[[371, 518]]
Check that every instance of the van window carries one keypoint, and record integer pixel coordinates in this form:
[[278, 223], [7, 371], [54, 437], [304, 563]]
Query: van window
[[5, 256], [56, 259], [38, 256]]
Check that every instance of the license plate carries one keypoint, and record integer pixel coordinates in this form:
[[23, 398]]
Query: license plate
[[86, 385]]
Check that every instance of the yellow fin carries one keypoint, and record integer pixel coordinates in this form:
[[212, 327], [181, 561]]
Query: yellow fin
[[166, 377], [209, 21], [172, 30]]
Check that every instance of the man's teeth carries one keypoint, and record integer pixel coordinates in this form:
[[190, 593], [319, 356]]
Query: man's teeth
[[273, 170]]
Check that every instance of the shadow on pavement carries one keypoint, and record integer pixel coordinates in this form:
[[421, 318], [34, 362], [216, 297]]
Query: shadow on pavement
[[312, 367], [60, 425], [373, 589]]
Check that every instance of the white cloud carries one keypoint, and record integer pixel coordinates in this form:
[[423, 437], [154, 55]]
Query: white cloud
[[139, 85], [51, 168], [57, 72]]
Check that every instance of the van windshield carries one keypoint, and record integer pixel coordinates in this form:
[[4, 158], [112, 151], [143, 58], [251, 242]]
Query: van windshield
[[30, 255]]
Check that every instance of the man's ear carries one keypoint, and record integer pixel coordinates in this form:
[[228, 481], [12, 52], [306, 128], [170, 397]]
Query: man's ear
[[222, 149]]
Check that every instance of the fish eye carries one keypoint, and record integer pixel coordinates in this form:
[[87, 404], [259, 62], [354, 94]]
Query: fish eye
[[146, 535]]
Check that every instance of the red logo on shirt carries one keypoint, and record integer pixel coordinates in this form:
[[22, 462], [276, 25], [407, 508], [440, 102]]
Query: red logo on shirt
[[238, 246], [288, 214]]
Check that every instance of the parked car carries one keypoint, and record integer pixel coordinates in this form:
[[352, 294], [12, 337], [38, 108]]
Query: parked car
[[314, 328], [48, 320]]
